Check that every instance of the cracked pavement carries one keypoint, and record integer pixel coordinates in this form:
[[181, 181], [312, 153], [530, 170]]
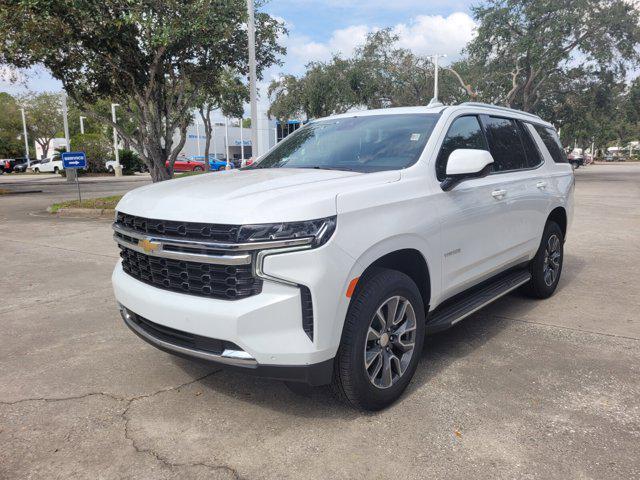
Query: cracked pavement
[[522, 389]]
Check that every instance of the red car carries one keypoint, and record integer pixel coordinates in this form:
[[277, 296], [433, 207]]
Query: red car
[[187, 165]]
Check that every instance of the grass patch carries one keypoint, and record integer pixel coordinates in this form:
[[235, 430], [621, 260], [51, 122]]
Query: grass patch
[[187, 174], [91, 203]]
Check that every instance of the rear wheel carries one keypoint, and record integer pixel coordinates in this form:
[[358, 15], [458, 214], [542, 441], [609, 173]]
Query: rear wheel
[[381, 342], [546, 266], [36, 170], [197, 169]]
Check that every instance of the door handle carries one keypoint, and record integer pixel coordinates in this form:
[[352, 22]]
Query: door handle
[[498, 194], [541, 185]]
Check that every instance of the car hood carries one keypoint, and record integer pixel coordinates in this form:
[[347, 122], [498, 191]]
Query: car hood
[[249, 196]]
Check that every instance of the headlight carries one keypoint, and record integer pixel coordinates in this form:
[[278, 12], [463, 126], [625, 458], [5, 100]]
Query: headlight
[[318, 231]]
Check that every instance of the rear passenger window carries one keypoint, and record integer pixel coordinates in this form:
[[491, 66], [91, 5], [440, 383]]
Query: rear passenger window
[[530, 149], [464, 132], [504, 144], [552, 142]]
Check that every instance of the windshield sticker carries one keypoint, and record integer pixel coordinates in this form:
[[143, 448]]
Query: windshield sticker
[[415, 137]]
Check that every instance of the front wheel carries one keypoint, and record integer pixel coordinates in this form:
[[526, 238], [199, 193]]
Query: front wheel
[[381, 341], [36, 170], [546, 266]]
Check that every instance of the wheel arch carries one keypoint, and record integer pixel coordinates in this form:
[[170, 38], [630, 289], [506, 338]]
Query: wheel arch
[[559, 215], [409, 261]]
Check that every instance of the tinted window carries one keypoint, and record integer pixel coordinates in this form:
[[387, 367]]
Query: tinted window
[[364, 144], [505, 144], [530, 149], [464, 132], [552, 142]]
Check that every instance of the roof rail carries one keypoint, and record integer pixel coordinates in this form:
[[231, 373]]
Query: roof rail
[[497, 107]]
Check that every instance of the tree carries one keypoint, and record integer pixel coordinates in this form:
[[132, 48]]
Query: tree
[[522, 45], [379, 75], [44, 118], [227, 95], [11, 140], [150, 56]]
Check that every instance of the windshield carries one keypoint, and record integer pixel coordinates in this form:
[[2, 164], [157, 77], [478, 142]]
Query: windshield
[[362, 144]]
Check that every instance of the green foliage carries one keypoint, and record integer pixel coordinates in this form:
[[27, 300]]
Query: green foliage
[[149, 56], [11, 140], [44, 118], [130, 162], [379, 75], [525, 48], [96, 149]]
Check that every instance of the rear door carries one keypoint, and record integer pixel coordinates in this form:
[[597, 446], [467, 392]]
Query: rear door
[[522, 181]]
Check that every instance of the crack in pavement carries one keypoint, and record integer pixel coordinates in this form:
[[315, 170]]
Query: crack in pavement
[[572, 329], [126, 419]]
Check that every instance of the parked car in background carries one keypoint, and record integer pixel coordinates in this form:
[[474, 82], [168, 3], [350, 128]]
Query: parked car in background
[[49, 165], [187, 165], [20, 165], [110, 165], [576, 158], [329, 259]]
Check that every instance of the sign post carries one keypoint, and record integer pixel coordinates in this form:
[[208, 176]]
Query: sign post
[[74, 160]]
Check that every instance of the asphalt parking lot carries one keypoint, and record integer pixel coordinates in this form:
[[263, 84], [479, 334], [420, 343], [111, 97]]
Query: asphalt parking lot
[[523, 389]]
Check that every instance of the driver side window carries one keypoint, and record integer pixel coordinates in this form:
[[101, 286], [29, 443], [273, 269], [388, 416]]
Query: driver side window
[[464, 132]]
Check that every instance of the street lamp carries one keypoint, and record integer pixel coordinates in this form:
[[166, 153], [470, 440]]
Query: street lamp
[[434, 101], [82, 124], [253, 94], [117, 168], [26, 139]]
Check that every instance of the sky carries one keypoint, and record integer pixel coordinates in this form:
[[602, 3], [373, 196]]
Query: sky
[[320, 28]]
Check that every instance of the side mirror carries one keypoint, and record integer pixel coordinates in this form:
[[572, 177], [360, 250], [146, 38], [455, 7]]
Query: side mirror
[[466, 163]]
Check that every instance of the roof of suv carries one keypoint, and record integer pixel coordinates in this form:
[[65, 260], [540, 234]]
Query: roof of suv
[[481, 107]]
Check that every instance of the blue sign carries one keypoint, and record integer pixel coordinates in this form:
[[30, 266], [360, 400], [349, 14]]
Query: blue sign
[[74, 160]]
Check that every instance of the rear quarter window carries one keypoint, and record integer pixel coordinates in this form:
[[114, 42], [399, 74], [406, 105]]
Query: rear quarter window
[[552, 142]]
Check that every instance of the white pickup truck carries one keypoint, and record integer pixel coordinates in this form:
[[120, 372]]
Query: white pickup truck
[[329, 259], [49, 165]]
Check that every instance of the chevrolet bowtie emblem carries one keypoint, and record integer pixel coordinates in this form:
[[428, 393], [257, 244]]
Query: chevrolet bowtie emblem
[[149, 246]]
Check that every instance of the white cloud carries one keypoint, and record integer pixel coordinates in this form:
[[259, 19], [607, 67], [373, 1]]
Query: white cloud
[[423, 34], [428, 34]]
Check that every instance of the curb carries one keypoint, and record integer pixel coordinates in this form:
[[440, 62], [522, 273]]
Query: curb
[[85, 212]]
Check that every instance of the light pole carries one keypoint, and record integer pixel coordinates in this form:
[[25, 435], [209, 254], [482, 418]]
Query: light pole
[[117, 169], [253, 94], [198, 137], [72, 173], [241, 145], [226, 140], [82, 124], [26, 139], [434, 101]]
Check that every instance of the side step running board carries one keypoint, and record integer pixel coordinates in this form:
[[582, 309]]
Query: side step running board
[[463, 305]]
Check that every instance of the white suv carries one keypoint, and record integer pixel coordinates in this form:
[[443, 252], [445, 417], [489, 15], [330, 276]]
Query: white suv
[[330, 258]]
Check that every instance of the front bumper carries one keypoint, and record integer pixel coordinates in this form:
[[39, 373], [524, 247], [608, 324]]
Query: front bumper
[[315, 374]]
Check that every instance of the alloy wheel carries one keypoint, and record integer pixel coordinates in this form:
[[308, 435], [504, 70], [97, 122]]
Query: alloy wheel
[[552, 257], [390, 342]]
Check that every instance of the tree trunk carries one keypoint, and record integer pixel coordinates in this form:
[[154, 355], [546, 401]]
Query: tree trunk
[[205, 113]]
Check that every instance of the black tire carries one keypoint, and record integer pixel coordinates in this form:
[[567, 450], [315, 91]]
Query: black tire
[[55, 170], [110, 169], [351, 380], [540, 285], [36, 170], [197, 169], [220, 169]]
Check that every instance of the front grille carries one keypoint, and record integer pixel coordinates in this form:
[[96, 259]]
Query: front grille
[[203, 279], [183, 339], [190, 230]]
